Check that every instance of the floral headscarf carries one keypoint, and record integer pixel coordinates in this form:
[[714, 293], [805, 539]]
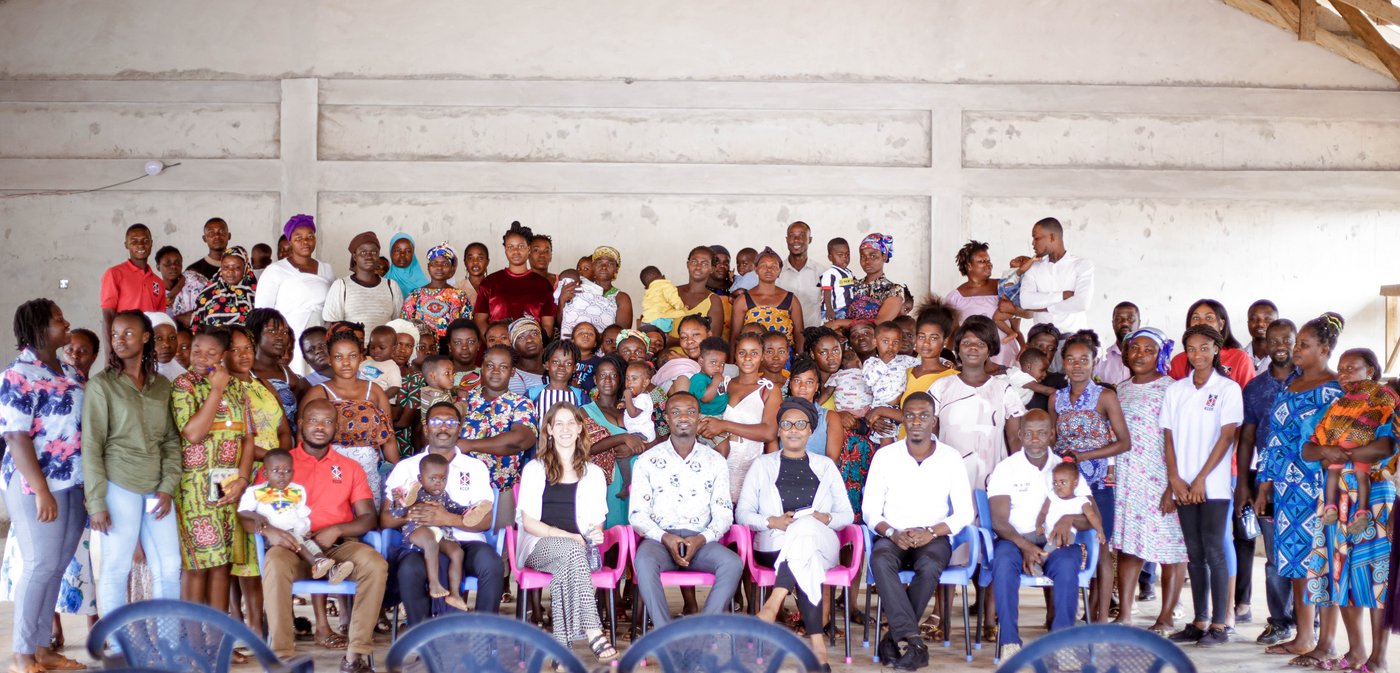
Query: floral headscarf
[[442, 251], [632, 333], [881, 242]]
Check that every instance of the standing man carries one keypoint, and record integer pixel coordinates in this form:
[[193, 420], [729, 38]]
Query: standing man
[[916, 498], [342, 510], [1261, 314], [1259, 396], [216, 237], [1111, 368], [1056, 287], [800, 276], [133, 284]]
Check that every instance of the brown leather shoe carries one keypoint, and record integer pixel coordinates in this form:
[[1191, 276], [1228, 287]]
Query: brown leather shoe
[[359, 665]]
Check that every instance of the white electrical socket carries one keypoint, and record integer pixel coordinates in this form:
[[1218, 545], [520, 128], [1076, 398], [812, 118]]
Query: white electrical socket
[[63, 283]]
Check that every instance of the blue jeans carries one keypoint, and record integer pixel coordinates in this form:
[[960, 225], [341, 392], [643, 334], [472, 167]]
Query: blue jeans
[[159, 538], [1062, 567]]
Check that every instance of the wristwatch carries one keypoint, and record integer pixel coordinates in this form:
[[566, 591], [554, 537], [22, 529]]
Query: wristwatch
[[889, 530]]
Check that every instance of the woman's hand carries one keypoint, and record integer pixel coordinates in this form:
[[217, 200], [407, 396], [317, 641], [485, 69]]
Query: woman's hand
[[632, 445], [101, 522], [1168, 505], [233, 493], [1198, 490], [1180, 490], [711, 427], [822, 517], [567, 293], [848, 421], [595, 535], [780, 522], [165, 505], [219, 378]]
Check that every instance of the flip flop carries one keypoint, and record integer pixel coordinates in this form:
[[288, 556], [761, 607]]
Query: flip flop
[[59, 662], [1338, 664], [1304, 661]]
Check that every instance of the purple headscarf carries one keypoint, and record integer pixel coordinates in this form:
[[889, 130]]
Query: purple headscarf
[[297, 222]]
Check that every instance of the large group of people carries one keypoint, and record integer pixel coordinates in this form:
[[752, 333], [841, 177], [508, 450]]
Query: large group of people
[[244, 401]]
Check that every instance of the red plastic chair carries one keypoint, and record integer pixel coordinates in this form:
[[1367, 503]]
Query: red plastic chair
[[736, 535], [842, 576], [528, 579]]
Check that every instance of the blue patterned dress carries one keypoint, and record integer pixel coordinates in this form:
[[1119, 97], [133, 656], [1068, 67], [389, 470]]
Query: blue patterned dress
[[1297, 483], [1080, 427]]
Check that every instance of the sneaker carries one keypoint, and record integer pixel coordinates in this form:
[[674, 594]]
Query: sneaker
[[322, 566], [1190, 634], [1245, 617], [1274, 635], [1146, 594], [1213, 637], [915, 656], [1009, 650]]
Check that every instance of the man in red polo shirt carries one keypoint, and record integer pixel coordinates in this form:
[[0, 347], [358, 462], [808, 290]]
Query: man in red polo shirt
[[342, 510], [133, 284]]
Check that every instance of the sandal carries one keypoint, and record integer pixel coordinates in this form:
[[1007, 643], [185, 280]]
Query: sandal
[[602, 649], [59, 663], [1305, 661], [333, 641], [240, 655], [1338, 664], [30, 668], [932, 628]]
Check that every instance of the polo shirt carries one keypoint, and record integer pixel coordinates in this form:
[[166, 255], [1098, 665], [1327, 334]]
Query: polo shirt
[[1259, 397], [332, 484], [125, 287], [1027, 486], [468, 482], [1195, 416], [905, 493]]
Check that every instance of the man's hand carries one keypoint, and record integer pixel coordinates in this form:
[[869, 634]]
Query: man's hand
[[1067, 294], [692, 547], [326, 537], [672, 542], [432, 514], [1031, 557], [1242, 496], [918, 537], [1261, 499], [276, 537]]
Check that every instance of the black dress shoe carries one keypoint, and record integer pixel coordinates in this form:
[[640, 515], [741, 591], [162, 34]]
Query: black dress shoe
[[888, 650], [915, 656]]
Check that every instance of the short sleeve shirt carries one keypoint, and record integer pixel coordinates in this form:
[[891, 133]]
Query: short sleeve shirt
[[125, 287], [1027, 486], [468, 482], [483, 419], [1196, 416], [47, 406], [1259, 396], [886, 379], [506, 296], [333, 484]]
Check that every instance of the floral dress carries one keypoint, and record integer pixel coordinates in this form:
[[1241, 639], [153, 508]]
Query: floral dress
[[484, 418], [206, 531], [868, 297], [267, 415], [437, 307], [854, 460], [1080, 427], [1139, 527], [360, 430], [186, 300], [219, 305], [772, 318], [409, 396]]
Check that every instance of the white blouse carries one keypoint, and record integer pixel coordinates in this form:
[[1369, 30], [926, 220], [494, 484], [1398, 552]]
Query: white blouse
[[590, 503]]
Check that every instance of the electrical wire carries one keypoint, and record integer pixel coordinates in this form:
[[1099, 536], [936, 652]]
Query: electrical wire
[[69, 192]]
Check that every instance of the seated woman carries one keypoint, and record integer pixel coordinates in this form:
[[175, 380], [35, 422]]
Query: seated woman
[[563, 501], [794, 501]]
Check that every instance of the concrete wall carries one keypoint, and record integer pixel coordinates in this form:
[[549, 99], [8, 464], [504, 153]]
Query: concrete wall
[[1191, 150]]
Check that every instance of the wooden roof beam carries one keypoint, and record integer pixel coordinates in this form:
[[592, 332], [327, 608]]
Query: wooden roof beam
[[1371, 36], [1342, 46]]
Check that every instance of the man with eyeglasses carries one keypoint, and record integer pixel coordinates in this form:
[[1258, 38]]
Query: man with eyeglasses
[[469, 485], [916, 498], [1016, 491]]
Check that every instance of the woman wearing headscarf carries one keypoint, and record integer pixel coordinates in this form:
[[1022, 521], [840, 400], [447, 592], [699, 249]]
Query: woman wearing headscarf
[[606, 263], [773, 307], [297, 286], [875, 297], [403, 264], [228, 299], [437, 303], [363, 297]]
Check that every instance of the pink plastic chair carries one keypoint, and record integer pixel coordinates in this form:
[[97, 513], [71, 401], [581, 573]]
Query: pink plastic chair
[[527, 579], [842, 576], [736, 535]]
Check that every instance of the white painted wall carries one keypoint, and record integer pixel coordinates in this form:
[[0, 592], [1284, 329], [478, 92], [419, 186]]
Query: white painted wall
[[1190, 149]]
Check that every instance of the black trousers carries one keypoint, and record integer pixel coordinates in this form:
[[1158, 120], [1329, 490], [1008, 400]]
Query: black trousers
[[809, 606], [480, 561], [904, 607], [1203, 526]]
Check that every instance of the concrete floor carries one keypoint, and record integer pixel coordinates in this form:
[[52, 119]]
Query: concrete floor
[[1240, 657]]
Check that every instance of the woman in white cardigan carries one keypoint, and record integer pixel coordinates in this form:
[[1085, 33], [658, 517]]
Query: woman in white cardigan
[[795, 501], [563, 501]]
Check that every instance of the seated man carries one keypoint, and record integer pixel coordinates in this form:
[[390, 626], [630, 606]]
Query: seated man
[[342, 510], [916, 498], [1016, 492], [680, 505], [468, 485]]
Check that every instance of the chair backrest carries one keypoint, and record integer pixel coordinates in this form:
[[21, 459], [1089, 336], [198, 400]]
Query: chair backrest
[[173, 635], [968, 536], [984, 508], [721, 644], [1100, 648], [481, 643]]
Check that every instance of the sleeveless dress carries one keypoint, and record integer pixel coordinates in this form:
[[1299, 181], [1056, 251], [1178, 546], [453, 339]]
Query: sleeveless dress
[[288, 397], [360, 431], [742, 452], [1297, 483], [1140, 528], [773, 318], [266, 412], [1080, 427]]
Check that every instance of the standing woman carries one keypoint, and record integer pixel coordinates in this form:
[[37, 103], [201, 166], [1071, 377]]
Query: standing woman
[[931, 331], [477, 259], [211, 412], [228, 299], [41, 403], [363, 296], [772, 307], [979, 414], [296, 286], [606, 263], [182, 286], [978, 295], [436, 302], [515, 291], [363, 431], [751, 419], [875, 298], [403, 264], [609, 441], [272, 338], [1089, 428], [1144, 530], [1236, 364], [1297, 482]]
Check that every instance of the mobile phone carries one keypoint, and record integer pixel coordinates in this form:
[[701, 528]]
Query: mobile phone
[[681, 548], [805, 511]]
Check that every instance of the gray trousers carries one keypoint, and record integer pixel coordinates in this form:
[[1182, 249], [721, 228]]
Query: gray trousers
[[46, 550], [653, 558]]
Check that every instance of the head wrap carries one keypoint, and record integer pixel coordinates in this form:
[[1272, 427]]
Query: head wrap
[[237, 251], [769, 252], [630, 333], [881, 242], [408, 278], [401, 326], [803, 405], [159, 318], [442, 251], [363, 238], [297, 222], [1164, 345], [607, 252], [521, 327]]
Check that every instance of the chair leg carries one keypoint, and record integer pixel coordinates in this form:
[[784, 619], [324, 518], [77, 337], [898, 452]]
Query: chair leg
[[612, 617], [981, 613], [394, 626], [944, 610], [967, 632], [846, 608], [878, 605], [865, 641], [1085, 594]]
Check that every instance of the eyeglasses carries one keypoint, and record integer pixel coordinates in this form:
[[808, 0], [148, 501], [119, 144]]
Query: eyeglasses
[[442, 422], [793, 425]]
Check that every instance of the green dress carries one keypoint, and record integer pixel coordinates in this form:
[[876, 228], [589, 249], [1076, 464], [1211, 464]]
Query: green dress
[[617, 507], [207, 532], [267, 418]]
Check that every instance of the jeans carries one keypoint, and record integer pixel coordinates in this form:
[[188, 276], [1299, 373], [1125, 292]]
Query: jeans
[[1278, 591], [1204, 527], [714, 558], [159, 539], [1062, 566], [46, 549], [479, 560], [904, 607], [1103, 499]]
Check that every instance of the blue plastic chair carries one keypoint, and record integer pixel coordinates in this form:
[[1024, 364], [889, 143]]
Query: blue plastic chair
[[720, 644], [180, 637], [310, 587], [1100, 648], [952, 576], [1090, 540], [984, 574], [481, 643]]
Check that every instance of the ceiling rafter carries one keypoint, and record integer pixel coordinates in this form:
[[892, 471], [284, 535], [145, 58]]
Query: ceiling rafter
[[1356, 37]]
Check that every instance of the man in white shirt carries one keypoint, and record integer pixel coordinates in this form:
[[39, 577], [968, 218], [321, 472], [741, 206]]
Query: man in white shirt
[[680, 505], [1056, 287], [800, 275], [1016, 491], [468, 484], [1111, 369], [916, 498]]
